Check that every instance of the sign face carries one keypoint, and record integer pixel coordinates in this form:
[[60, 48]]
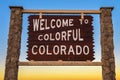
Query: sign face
[[64, 37]]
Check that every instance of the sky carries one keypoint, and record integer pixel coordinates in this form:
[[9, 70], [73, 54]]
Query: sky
[[61, 72]]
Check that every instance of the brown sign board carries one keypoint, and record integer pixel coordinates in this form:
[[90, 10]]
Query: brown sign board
[[60, 37]]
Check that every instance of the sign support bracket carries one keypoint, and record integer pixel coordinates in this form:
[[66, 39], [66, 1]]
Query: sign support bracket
[[40, 16], [82, 16]]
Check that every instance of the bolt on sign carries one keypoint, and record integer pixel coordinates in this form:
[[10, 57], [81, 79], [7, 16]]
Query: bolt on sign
[[60, 37]]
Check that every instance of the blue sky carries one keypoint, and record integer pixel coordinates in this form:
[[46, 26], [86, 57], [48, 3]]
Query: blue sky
[[59, 5]]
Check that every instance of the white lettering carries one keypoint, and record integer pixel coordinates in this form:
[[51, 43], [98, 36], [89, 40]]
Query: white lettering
[[75, 37], [46, 27], [70, 22], [80, 39], [40, 37], [41, 49], [46, 37], [57, 36], [78, 50], [56, 49], [64, 22], [63, 36], [68, 32], [35, 24], [60, 50], [48, 53], [52, 26], [86, 50], [33, 49], [58, 23], [71, 50], [63, 50], [41, 24], [51, 38]]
